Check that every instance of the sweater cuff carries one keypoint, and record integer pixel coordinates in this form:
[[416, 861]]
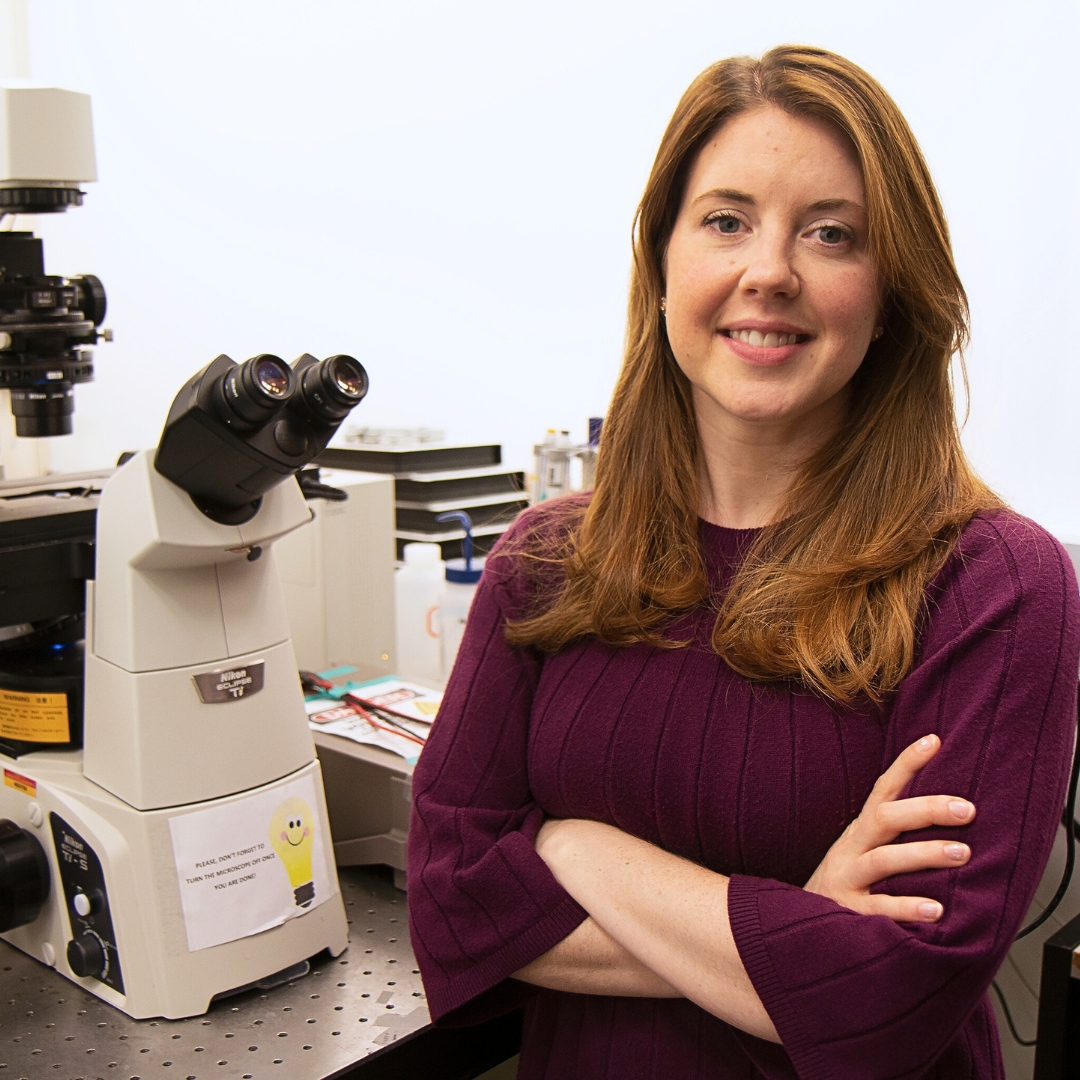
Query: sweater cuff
[[544, 934], [744, 917]]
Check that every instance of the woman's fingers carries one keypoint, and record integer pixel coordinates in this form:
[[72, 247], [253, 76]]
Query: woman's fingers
[[914, 909], [903, 770], [893, 859], [865, 854], [885, 822]]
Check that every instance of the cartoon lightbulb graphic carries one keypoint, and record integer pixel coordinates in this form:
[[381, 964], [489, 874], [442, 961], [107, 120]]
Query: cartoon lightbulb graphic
[[293, 839]]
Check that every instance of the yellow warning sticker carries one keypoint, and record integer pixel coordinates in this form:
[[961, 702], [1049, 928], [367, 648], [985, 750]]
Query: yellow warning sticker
[[20, 783], [32, 717]]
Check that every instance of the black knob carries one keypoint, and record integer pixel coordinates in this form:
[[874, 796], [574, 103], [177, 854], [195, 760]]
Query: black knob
[[86, 955], [24, 876], [91, 297]]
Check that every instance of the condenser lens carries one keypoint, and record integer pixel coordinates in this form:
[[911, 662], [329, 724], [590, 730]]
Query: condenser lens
[[272, 378]]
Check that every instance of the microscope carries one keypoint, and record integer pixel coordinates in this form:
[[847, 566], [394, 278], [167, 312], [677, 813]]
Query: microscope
[[163, 828], [182, 852], [46, 322]]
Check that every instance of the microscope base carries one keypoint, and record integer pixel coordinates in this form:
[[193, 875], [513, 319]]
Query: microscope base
[[115, 903]]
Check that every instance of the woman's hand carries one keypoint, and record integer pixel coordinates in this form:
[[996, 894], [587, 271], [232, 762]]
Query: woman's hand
[[865, 854]]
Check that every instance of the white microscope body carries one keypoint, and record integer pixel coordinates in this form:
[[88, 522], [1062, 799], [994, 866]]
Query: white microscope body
[[183, 851], [192, 705]]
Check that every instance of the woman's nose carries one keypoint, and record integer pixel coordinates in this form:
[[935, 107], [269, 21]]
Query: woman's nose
[[769, 272]]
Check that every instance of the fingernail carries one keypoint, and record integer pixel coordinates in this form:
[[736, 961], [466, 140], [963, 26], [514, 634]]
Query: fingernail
[[958, 852], [930, 910], [961, 808], [926, 742]]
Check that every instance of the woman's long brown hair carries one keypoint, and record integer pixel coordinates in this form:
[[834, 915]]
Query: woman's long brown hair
[[831, 595]]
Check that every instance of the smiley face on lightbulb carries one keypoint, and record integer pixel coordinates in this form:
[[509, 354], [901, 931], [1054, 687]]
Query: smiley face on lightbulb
[[292, 837], [292, 834]]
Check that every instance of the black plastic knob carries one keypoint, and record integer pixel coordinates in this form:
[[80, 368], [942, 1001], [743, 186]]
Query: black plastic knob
[[86, 956], [24, 876], [91, 297]]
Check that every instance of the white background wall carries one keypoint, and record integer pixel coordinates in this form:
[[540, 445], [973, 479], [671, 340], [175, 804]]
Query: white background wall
[[446, 190]]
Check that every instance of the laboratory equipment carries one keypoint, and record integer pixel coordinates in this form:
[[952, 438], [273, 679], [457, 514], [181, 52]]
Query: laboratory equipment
[[462, 578], [552, 465], [418, 586], [338, 575], [148, 865], [46, 322], [431, 479], [560, 467]]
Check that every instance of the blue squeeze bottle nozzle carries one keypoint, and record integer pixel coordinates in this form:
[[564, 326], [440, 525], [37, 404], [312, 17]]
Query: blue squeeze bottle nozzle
[[468, 576]]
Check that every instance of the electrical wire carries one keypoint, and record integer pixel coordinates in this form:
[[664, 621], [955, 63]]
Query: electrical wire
[[379, 708], [1008, 1017], [400, 730], [1071, 836], [358, 707], [1070, 841], [364, 708]]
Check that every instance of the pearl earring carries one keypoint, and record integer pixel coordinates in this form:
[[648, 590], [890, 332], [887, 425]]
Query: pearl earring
[[878, 331]]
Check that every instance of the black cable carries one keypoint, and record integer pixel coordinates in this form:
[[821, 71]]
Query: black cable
[[1071, 836], [1009, 1019], [1070, 842]]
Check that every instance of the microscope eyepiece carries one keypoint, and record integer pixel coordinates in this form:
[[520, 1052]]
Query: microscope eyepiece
[[236, 430], [254, 390], [333, 386], [272, 377]]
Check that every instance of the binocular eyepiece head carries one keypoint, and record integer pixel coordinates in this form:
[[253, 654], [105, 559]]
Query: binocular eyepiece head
[[323, 392], [236, 430]]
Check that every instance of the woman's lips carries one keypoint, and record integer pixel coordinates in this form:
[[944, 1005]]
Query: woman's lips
[[761, 356]]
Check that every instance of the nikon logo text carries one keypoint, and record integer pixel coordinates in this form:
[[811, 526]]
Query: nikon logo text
[[231, 684]]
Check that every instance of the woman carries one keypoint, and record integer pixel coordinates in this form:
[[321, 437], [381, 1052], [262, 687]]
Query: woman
[[693, 712]]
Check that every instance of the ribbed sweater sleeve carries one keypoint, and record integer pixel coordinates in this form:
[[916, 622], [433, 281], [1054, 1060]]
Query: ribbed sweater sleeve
[[857, 997], [482, 903]]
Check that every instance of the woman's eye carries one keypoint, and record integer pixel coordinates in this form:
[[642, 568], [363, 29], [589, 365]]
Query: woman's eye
[[726, 223], [833, 234]]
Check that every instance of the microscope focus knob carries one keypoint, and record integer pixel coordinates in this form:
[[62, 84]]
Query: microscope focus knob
[[24, 876], [86, 955]]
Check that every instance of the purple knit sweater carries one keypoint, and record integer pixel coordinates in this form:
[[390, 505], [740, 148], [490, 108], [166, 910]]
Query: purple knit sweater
[[755, 782]]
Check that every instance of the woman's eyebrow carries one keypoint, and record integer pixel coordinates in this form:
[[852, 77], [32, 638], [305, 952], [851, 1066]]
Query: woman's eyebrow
[[728, 194], [837, 204], [734, 195]]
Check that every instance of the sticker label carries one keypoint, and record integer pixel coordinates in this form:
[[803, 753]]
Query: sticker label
[[31, 717], [250, 864], [228, 685], [20, 783]]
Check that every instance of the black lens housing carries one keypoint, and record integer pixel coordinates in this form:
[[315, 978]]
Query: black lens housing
[[43, 412], [24, 876], [331, 388], [237, 430], [45, 323], [251, 392]]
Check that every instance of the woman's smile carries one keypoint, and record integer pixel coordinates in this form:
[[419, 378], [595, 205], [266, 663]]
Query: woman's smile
[[762, 344]]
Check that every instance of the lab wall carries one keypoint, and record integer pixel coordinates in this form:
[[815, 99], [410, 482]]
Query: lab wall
[[446, 192]]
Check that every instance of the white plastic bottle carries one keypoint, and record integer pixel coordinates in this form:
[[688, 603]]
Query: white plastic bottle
[[462, 577], [418, 586], [457, 597]]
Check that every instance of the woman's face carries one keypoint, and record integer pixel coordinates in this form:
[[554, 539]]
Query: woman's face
[[771, 295]]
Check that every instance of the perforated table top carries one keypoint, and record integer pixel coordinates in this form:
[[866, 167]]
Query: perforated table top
[[345, 1010]]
